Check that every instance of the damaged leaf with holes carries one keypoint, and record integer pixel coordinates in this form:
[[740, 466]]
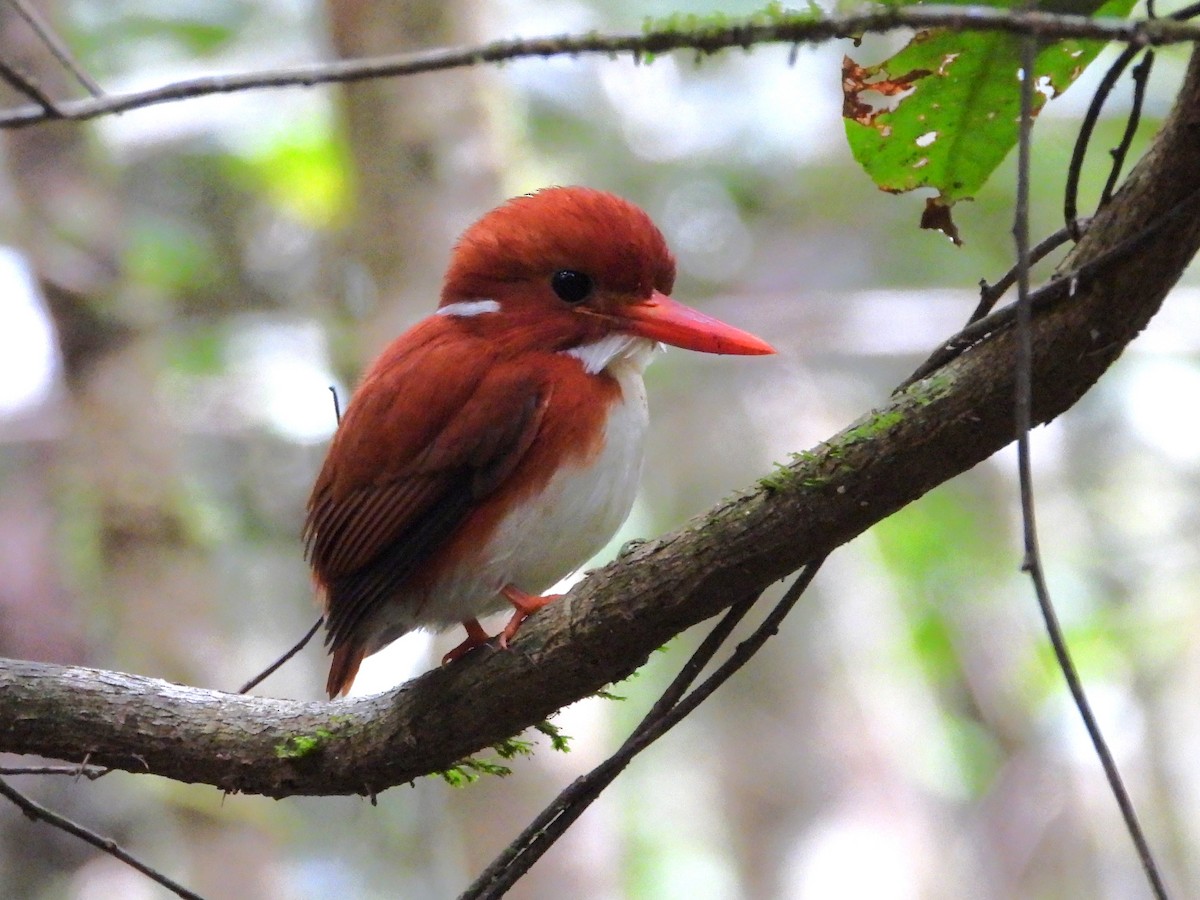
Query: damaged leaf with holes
[[943, 112]]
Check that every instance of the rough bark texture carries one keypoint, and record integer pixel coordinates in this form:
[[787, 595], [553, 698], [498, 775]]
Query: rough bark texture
[[606, 627]]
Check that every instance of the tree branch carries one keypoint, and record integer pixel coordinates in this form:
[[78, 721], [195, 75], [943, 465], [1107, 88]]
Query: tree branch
[[924, 435], [606, 627], [37, 812], [788, 28]]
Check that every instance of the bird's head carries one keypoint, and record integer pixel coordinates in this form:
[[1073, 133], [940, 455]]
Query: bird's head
[[566, 267]]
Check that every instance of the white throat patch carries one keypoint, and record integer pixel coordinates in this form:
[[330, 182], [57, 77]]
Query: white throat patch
[[464, 309], [614, 349]]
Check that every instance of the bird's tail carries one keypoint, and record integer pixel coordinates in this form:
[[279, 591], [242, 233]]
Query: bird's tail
[[347, 657]]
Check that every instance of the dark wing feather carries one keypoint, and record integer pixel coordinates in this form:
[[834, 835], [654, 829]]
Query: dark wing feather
[[377, 513], [351, 598]]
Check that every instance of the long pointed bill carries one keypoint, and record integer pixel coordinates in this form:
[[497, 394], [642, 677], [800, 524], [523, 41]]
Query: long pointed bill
[[662, 319]]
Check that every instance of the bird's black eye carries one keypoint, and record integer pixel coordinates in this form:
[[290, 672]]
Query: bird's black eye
[[571, 286]]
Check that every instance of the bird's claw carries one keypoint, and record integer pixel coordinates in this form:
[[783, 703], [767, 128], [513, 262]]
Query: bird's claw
[[524, 605], [476, 637]]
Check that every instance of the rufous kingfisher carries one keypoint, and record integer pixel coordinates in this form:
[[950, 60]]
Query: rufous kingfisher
[[497, 445]]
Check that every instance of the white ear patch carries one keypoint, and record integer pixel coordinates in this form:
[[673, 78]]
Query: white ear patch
[[464, 309]]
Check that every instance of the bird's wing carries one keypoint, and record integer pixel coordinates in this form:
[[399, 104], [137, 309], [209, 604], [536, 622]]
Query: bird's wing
[[413, 455]]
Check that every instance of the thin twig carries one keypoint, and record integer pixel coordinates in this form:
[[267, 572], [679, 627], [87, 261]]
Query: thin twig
[[303, 642], [1086, 127], [516, 858], [56, 46], [1187, 12], [337, 404], [701, 657], [296, 648], [30, 88], [1023, 403], [543, 831], [1055, 291], [1141, 74], [37, 812], [990, 294], [798, 28], [91, 773]]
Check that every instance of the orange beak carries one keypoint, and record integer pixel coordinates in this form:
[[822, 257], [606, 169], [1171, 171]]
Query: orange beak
[[662, 319]]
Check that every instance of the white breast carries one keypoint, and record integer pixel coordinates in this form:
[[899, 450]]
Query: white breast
[[554, 533]]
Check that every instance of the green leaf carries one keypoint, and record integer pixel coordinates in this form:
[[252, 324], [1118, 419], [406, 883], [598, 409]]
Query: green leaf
[[303, 170], [956, 116], [467, 771], [511, 748], [558, 740]]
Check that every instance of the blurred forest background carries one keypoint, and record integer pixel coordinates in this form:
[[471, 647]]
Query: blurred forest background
[[179, 285]]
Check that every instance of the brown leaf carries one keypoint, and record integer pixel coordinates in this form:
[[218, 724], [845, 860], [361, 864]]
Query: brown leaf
[[856, 79], [936, 217]]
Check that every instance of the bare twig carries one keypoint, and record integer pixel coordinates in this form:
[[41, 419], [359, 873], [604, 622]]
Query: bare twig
[[296, 648], [524, 850], [37, 812], [1141, 74], [990, 294], [308, 636], [1187, 12], [337, 404], [56, 46], [1050, 293], [798, 28], [1086, 127], [91, 773], [1023, 409], [671, 708], [30, 88]]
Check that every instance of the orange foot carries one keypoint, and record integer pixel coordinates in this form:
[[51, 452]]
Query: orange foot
[[524, 605], [476, 636]]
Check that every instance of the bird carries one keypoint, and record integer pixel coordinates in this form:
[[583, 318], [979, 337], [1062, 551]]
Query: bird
[[496, 446]]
